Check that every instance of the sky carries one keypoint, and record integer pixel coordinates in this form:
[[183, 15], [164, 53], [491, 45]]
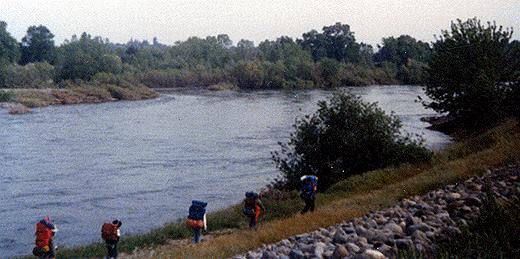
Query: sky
[[174, 20]]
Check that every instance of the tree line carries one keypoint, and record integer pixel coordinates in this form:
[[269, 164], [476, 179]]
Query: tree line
[[331, 57]]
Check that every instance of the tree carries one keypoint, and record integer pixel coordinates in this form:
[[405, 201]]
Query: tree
[[9, 50], [474, 73], [37, 45], [399, 51], [336, 41], [84, 57], [346, 136]]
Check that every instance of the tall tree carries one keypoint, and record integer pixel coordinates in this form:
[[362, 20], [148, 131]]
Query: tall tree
[[37, 45], [402, 49], [9, 50], [474, 73]]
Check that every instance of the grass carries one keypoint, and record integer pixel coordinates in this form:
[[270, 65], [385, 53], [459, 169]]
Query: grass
[[351, 198]]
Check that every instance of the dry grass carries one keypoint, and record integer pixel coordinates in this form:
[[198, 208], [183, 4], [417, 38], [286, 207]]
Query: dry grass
[[371, 191]]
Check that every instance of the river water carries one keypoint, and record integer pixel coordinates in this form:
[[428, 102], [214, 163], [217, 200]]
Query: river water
[[144, 161]]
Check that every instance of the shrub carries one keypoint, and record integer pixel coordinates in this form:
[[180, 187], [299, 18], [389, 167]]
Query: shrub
[[346, 136], [32, 75], [473, 73], [6, 96]]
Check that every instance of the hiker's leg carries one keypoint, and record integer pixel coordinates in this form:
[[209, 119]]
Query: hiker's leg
[[313, 204], [307, 206], [252, 222], [196, 235]]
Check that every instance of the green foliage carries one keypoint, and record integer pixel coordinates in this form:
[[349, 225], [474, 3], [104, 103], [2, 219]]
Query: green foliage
[[32, 75], [84, 57], [37, 45], [9, 50], [346, 136], [337, 42], [474, 73], [6, 96]]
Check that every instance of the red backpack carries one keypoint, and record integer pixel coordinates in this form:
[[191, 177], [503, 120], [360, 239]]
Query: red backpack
[[43, 235], [109, 232]]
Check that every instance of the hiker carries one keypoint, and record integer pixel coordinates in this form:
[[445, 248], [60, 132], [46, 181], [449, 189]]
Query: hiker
[[197, 219], [111, 234], [45, 231], [308, 192], [252, 207]]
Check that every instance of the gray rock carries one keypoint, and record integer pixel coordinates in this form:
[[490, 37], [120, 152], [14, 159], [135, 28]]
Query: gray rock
[[421, 226], [393, 227], [353, 248], [296, 254], [349, 230], [340, 237], [269, 255], [403, 244], [319, 249]]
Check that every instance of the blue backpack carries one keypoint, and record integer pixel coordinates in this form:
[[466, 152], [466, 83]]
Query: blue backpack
[[308, 188], [250, 203], [197, 210]]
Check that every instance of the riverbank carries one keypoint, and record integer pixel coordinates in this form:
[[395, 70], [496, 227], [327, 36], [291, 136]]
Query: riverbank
[[346, 200], [417, 224], [19, 101]]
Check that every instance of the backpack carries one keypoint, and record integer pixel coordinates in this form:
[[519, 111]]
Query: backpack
[[250, 203], [109, 232], [308, 189], [43, 235], [197, 210]]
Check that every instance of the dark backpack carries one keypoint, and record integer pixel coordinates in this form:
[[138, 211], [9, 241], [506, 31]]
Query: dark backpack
[[250, 203], [197, 210], [109, 232]]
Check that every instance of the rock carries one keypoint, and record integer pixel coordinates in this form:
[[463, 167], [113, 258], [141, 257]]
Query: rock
[[454, 195], [373, 254], [472, 201], [285, 242], [372, 223], [328, 254], [403, 244], [386, 250], [353, 248], [393, 227], [361, 231], [296, 254], [269, 255], [340, 237], [421, 226], [340, 252], [349, 230], [319, 249], [307, 248]]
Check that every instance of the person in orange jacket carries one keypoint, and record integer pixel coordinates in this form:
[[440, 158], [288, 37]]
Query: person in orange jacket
[[44, 244]]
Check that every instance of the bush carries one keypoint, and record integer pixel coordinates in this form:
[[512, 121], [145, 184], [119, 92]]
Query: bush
[[473, 73], [346, 136], [6, 96], [32, 75]]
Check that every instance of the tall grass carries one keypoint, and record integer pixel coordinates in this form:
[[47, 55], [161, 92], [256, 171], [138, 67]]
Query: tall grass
[[345, 200]]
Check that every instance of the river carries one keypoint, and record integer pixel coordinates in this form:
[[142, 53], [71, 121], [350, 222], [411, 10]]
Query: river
[[144, 161]]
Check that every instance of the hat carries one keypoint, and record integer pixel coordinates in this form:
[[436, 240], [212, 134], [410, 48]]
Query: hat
[[117, 222]]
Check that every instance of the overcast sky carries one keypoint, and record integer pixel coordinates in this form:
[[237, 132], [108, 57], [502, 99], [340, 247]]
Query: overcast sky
[[173, 20]]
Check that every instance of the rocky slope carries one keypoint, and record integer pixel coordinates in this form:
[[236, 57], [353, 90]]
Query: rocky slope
[[415, 223]]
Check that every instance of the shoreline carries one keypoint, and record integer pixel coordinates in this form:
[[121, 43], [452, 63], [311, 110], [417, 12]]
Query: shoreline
[[286, 205], [23, 99]]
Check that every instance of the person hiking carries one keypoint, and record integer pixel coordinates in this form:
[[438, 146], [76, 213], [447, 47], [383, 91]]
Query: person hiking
[[44, 244], [197, 219], [308, 192], [110, 232], [252, 207]]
